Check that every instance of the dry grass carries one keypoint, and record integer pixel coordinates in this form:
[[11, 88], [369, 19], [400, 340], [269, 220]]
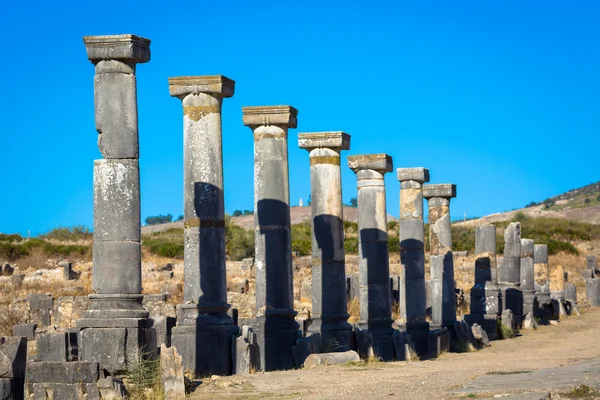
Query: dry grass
[[354, 310]]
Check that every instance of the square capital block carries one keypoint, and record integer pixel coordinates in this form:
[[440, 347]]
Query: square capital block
[[328, 140], [217, 85], [443, 190], [270, 115], [377, 162], [418, 174], [117, 47]]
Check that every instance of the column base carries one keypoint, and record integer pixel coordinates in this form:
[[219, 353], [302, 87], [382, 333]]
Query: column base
[[438, 342], [204, 337], [528, 301], [334, 331], [277, 332], [375, 341], [419, 334]]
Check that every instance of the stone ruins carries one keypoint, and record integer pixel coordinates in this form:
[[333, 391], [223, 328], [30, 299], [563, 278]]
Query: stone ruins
[[118, 324]]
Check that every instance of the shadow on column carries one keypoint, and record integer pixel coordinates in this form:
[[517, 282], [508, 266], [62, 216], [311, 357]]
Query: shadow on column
[[377, 295], [277, 330], [332, 323], [448, 292], [215, 329]]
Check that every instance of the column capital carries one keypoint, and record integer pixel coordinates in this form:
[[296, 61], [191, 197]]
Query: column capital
[[329, 140], [215, 85], [117, 47], [443, 190], [381, 163], [418, 174], [270, 115]]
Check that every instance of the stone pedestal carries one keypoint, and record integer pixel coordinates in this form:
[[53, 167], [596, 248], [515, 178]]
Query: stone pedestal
[[116, 328], [412, 255], [509, 271], [592, 292], [486, 297], [527, 275], [374, 269], [275, 327], [329, 307], [542, 307], [204, 331], [443, 302]]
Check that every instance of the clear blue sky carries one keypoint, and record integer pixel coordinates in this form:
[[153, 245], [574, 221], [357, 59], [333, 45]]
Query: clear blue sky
[[500, 97]]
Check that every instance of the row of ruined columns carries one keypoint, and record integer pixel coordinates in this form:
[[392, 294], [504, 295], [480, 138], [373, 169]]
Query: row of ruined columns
[[205, 328]]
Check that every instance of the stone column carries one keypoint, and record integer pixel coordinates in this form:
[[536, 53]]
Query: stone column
[[486, 298], [509, 272], [277, 330], [443, 305], [374, 268], [527, 275], [412, 254], [116, 327], [204, 331], [329, 307]]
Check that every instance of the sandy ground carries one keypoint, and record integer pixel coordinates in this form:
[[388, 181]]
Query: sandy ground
[[572, 340]]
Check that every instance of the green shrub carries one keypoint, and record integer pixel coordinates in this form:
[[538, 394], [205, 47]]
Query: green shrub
[[52, 249], [239, 242], [164, 249], [393, 245], [73, 233], [12, 252], [351, 245], [392, 225], [350, 227], [301, 238], [15, 237]]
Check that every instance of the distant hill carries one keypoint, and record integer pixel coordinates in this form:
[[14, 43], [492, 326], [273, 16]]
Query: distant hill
[[581, 205]]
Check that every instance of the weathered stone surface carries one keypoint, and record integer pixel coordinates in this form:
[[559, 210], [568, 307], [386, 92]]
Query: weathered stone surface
[[246, 358], [215, 85], [438, 342], [571, 292], [270, 115], [508, 319], [529, 322], [117, 47], [163, 327], [25, 330], [464, 336], [6, 389], [13, 357], [404, 347], [480, 335], [40, 301], [592, 292], [418, 174], [63, 372], [53, 346], [485, 239], [171, 374], [315, 360]]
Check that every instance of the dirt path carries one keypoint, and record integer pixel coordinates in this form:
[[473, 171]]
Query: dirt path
[[572, 340]]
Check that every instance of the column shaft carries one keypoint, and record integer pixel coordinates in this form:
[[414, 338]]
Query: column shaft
[[329, 308]]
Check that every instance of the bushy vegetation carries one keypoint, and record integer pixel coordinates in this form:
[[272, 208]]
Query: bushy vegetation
[[69, 234], [15, 237], [167, 243], [239, 242], [12, 250], [159, 219]]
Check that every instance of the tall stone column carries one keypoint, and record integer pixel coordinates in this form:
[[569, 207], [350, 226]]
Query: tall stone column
[[277, 330], [486, 297], [116, 327], [527, 275], [443, 309], [204, 331], [412, 254], [329, 307], [509, 271], [374, 267]]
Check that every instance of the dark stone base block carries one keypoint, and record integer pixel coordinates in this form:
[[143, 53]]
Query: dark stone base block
[[438, 342], [542, 305], [419, 333], [205, 349], [276, 334], [334, 334]]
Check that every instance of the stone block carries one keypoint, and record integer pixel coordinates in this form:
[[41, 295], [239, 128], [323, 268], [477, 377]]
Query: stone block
[[7, 270], [377, 162], [438, 342], [53, 346], [25, 330], [40, 301], [529, 322], [480, 335], [443, 190], [413, 174], [17, 279], [485, 239], [540, 253], [63, 372], [67, 268], [217, 85], [592, 292], [163, 327], [270, 115], [248, 263], [588, 274], [304, 347], [512, 234], [403, 346], [117, 47], [319, 140], [109, 388], [464, 340], [412, 232], [508, 319], [352, 286], [13, 357], [571, 292], [315, 360], [171, 375], [6, 389], [116, 348]]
